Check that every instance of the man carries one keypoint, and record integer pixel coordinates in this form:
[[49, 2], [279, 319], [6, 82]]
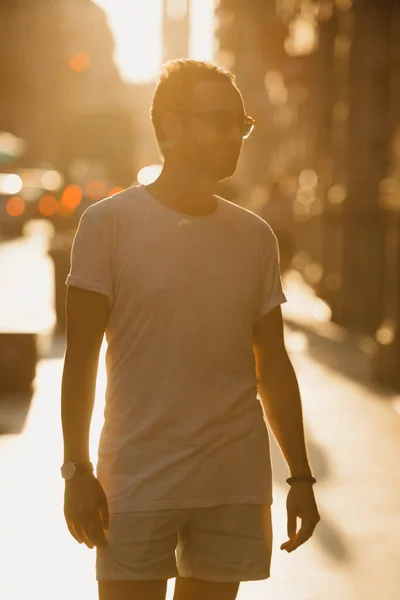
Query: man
[[187, 288]]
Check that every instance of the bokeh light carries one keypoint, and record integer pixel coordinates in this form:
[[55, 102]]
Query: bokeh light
[[308, 179], [337, 194], [115, 190], [303, 37], [72, 196], [48, 206], [10, 184], [80, 62], [15, 206], [386, 333], [52, 181], [149, 174]]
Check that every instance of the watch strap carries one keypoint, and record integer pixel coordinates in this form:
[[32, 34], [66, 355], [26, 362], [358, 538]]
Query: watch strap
[[83, 468]]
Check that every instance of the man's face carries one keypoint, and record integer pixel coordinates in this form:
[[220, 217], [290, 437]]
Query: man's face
[[211, 130]]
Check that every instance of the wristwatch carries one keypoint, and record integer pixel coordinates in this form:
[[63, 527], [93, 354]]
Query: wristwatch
[[70, 469]]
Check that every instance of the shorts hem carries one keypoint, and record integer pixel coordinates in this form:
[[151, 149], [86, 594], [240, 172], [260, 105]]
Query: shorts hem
[[228, 578], [136, 577]]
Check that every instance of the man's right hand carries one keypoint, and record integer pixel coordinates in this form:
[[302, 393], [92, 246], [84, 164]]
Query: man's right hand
[[86, 510]]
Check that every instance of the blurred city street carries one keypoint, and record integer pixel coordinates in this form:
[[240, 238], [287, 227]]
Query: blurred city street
[[353, 434], [320, 82]]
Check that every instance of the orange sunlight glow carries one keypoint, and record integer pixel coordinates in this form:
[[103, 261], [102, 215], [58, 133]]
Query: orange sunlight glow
[[137, 29], [115, 190]]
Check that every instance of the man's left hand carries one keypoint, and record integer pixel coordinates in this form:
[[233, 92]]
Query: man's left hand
[[300, 503]]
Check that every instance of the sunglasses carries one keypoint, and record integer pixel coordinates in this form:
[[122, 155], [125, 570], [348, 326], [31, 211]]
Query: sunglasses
[[223, 121]]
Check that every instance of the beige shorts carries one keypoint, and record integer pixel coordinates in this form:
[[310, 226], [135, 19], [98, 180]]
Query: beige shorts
[[231, 543]]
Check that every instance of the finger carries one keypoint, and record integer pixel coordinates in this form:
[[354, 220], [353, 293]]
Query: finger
[[291, 523], [81, 534], [87, 537], [83, 528], [73, 531], [75, 522], [97, 533], [93, 529], [301, 537]]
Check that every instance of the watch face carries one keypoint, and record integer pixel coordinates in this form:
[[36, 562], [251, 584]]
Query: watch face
[[68, 470]]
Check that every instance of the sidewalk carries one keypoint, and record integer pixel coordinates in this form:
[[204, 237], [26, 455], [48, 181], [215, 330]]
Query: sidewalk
[[351, 354], [353, 437], [305, 312]]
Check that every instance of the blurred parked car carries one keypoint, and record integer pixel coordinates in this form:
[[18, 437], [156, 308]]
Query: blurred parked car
[[45, 194]]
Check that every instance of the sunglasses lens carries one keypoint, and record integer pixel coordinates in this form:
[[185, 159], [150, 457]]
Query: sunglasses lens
[[224, 122]]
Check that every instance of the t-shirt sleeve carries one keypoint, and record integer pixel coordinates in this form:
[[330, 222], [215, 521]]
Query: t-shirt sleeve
[[90, 259], [271, 290]]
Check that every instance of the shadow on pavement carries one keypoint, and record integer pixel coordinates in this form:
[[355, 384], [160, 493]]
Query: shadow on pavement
[[342, 355], [331, 540], [326, 534]]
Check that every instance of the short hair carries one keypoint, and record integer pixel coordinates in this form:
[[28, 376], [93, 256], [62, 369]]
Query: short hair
[[175, 86]]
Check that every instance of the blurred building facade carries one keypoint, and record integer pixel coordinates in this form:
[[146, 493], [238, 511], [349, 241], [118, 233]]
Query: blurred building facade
[[58, 73], [322, 79], [176, 29], [176, 36], [251, 42]]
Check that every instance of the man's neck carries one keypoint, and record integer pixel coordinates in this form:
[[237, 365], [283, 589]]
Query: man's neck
[[184, 193]]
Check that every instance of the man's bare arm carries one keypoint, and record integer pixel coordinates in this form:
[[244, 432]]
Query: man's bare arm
[[279, 391], [280, 396], [87, 316], [85, 503]]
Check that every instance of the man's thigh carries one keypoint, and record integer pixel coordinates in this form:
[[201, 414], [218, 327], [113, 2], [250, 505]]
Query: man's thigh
[[226, 544]]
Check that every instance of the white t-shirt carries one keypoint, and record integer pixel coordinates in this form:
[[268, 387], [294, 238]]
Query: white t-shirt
[[183, 425]]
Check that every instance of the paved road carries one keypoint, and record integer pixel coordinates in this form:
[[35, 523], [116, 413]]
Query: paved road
[[353, 435], [26, 270]]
